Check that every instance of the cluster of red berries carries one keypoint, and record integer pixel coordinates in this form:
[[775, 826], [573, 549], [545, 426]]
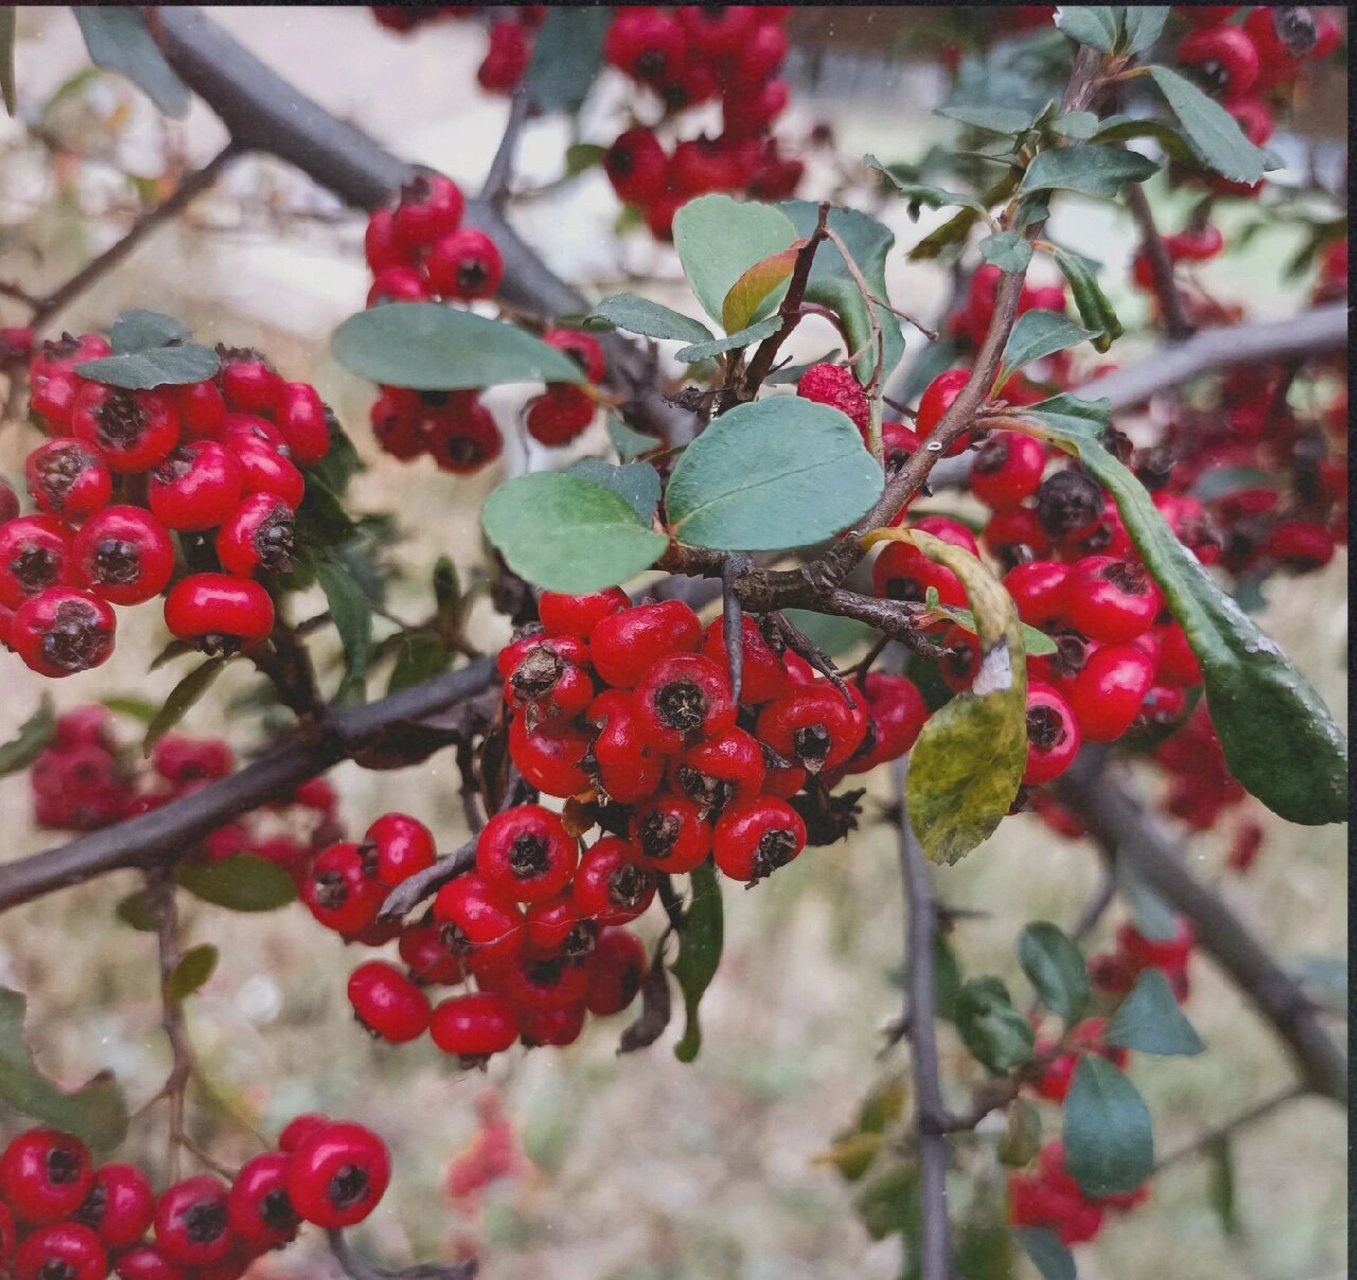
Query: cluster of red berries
[[1050, 1198], [1115, 972], [510, 38], [85, 779], [688, 56], [213, 466], [63, 1218]]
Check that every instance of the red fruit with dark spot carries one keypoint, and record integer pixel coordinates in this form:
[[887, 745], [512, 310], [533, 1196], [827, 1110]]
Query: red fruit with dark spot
[[259, 1210], [1053, 737], [479, 925], [550, 756], [130, 430], [431, 207], [1226, 60], [124, 555], [338, 1174], [403, 846], [61, 632], [474, 1027], [556, 927], [584, 349], [647, 44], [196, 487], [637, 166], [613, 884], [558, 1026], [559, 415], [45, 1175], [66, 479], [397, 284], [506, 59], [626, 645], [815, 726], [341, 890], [429, 961], [616, 971], [388, 1003], [1038, 591], [190, 1222], [624, 764], [60, 1251], [264, 470], [720, 768], [248, 382], [119, 1206], [1107, 694], [256, 536], [682, 698], [218, 611], [535, 985], [762, 674], [671, 834], [1007, 468], [525, 853], [1112, 601], [755, 837], [465, 265], [35, 554], [897, 713]]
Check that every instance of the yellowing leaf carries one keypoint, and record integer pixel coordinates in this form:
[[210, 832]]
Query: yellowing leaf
[[752, 289]]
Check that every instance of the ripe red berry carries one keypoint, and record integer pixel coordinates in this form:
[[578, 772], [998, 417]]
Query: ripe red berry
[[462, 437], [1111, 601], [583, 348], [671, 834], [124, 555], [896, 712], [302, 419], [612, 886], [299, 1128], [146, 1262], [556, 927], [60, 1251], [259, 1210], [624, 765], [218, 611], [130, 430], [647, 44], [625, 645], [248, 382], [402, 845], [196, 487], [1178, 664], [430, 963], [637, 166], [835, 386], [465, 265], [1007, 468], [720, 768], [577, 615], [388, 1003], [682, 698], [1038, 591], [474, 1027], [937, 398], [533, 984], [506, 58], [202, 410], [338, 1175], [558, 1025], [180, 760], [397, 284], [525, 853], [813, 726], [45, 1175], [548, 674], [67, 479], [431, 207], [550, 756], [903, 572], [341, 892], [755, 837], [762, 673], [479, 925], [1226, 59], [380, 245], [616, 970], [35, 554], [256, 535], [119, 1206], [1053, 737], [264, 470], [190, 1221], [1107, 694], [61, 632], [559, 415]]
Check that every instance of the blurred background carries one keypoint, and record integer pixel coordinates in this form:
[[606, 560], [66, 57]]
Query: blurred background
[[636, 1167]]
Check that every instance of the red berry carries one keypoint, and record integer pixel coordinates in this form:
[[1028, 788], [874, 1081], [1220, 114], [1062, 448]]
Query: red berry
[[35, 554], [259, 1209], [381, 248], [549, 756], [636, 166], [835, 386], [403, 846], [431, 207], [67, 479], [119, 1206], [182, 760], [612, 885], [340, 890], [338, 1175], [45, 1175], [762, 674], [60, 1251], [646, 43], [1196, 246], [479, 925], [1226, 59], [682, 698], [937, 398], [813, 726], [624, 764], [1014, 535], [429, 961], [526, 854], [256, 535], [626, 645], [124, 555], [130, 430], [264, 470], [755, 837], [903, 572], [535, 985], [474, 1027], [558, 1025], [616, 971], [196, 487], [397, 284], [202, 410], [720, 768], [465, 265], [1053, 738], [190, 1222], [556, 927], [1111, 601], [506, 58], [1038, 591], [1107, 694], [577, 615], [249, 383], [583, 348], [1007, 468], [302, 419], [1178, 664], [559, 415], [218, 611], [671, 835], [299, 1128], [896, 713], [388, 1003], [61, 632], [146, 1262], [463, 437], [548, 674]]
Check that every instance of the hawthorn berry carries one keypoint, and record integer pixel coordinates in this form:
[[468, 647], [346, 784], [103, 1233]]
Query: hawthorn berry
[[430, 963], [682, 697], [671, 835], [506, 59], [559, 415], [123, 554], [1007, 468], [647, 44], [577, 615], [403, 845], [304, 422], [547, 673], [35, 554], [526, 854], [1107, 694], [762, 673], [299, 1128], [465, 265], [637, 166], [550, 755], [119, 1206], [835, 386], [258, 1209], [896, 714], [146, 1262], [556, 927], [256, 535], [180, 760], [624, 646], [478, 924], [248, 382], [755, 837], [130, 430], [431, 207], [338, 1174], [615, 882], [1226, 59], [388, 1003], [1109, 600], [66, 479], [397, 284], [1038, 591], [202, 410], [60, 1251], [474, 1027], [263, 469], [583, 348], [534, 985], [814, 725], [616, 969], [218, 611], [557, 1025], [938, 397], [621, 759], [61, 632], [45, 1175], [341, 891], [191, 1228], [1053, 737], [721, 767], [196, 487]]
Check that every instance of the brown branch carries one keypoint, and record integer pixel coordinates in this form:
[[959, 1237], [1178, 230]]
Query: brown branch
[[356, 1269], [407, 895], [1176, 322], [165, 909]]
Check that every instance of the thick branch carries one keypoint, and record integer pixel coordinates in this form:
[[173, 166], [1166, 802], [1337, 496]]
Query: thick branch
[[1119, 823], [165, 835]]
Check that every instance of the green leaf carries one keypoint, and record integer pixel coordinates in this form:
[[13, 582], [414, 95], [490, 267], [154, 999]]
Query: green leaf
[[637, 482], [1088, 168], [155, 367], [1142, 25], [1079, 125], [34, 735], [967, 764], [350, 611], [338, 466], [1127, 128], [1036, 644], [732, 342], [1094, 25], [1109, 1142], [429, 347], [240, 883], [420, 655], [718, 239], [117, 40], [836, 636], [137, 911], [566, 56], [1056, 968], [1010, 121], [139, 330], [628, 443], [175, 649], [888, 1202], [142, 709], [195, 967], [998, 1035], [580, 156], [181, 698], [922, 194], [1021, 1140], [1094, 308], [1279, 739], [1047, 1252], [650, 319], [567, 533], [95, 1113], [749, 294], [1150, 1021], [830, 284], [1221, 1185], [699, 954], [1212, 132], [1036, 335], [1007, 250], [7, 24], [946, 977], [773, 474]]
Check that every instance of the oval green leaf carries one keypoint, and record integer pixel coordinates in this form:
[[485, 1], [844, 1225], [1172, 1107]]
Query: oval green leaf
[[1109, 1141], [699, 955], [428, 347], [1056, 968], [1036, 335], [566, 533], [181, 698], [1150, 1021], [118, 40], [999, 1036], [718, 239], [1212, 132], [242, 882], [778, 473], [195, 967], [1087, 168], [719, 346], [155, 367], [649, 319], [33, 737], [136, 330]]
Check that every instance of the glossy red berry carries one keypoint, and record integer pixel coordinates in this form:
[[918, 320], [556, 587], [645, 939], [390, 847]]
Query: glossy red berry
[[1178, 664], [506, 59], [380, 245], [430, 963], [616, 971], [146, 1262], [682, 698], [299, 1128], [671, 834], [1014, 535], [625, 645], [583, 348], [124, 555], [218, 611], [119, 1206], [1007, 468], [67, 479], [248, 382], [190, 1222], [61, 632], [1053, 737], [45, 1175], [897, 712], [755, 837], [341, 891], [338, 1174], [1226, 59], [388, 1003], [559, 415], [526, 854], [814, 726], [256, 535], [762, 673], [1038, 591], [474, 1027], [1109, 600], [397, 284], [567, 615], [550, 756], [403, 845], [302, 419], [612, 886], [937, 398], [264, 470], [52, 401], [431, 207], [1106, 696], [718, 769], [180, 760], [130, 430], [531, 984], [196, 487], [462, 437], [202, 410], [35, 554], [903, 572], [479, 925], [465, 265], [547, 673], [624, 765], [259, 1209], [557, 1025], [647, 44], [637, 166], [60, 1251], [556, 927]]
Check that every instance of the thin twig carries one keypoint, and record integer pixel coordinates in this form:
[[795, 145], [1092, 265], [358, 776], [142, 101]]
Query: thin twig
[[165, 908], [1203, 1145], [732, 619], [501, 173], [1096, 907], [1177, 325], [411, 892], [356, 1269]]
